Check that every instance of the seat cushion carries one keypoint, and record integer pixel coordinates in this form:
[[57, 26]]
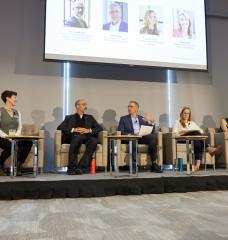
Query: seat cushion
[[65, 148]]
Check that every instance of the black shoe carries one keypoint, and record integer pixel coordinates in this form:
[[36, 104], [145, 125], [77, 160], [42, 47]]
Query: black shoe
[[86, 170], [155, 168], [78, 171], [71, 172]]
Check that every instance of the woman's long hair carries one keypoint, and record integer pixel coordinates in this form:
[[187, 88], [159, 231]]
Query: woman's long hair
[[183, 124], [189, 21], [147, 25]]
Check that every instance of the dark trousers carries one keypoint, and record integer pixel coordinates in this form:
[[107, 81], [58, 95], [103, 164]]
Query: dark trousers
[[198, 145], [24, 148], [76, 142], [151, 141]]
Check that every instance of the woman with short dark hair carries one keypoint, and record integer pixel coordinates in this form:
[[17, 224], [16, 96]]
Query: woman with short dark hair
[[10, 121]]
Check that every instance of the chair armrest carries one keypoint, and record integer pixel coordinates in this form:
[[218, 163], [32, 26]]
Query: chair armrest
[[57, 147], [159, 140], [169, 146], [58, 140], [159, 148], [101, 136], [104, 141], [221, 139], [41, 133], [211, 138]]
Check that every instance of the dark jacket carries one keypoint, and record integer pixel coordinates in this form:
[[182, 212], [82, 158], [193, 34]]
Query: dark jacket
[[126, 125], [122, 28], [70, 122], [74, 22]]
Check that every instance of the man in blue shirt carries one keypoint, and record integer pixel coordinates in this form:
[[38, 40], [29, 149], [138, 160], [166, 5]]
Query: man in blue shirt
[[131, 123], [116, 23]]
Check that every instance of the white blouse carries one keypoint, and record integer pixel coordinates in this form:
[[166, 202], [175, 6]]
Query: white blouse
[[177, 127]]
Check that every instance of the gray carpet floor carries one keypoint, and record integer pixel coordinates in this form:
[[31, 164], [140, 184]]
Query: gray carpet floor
[[199, 215]]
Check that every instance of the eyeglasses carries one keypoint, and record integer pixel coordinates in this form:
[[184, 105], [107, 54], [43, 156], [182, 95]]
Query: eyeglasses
[[131, 106]]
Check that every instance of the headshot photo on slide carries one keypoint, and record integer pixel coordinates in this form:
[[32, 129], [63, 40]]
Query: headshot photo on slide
[[150, 20], [115, 16], [183, 24], [77, 13]]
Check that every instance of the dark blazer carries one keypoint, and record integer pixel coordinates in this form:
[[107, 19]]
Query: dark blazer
[[122, 28], [74, 22], [69, 123], [126, 125]]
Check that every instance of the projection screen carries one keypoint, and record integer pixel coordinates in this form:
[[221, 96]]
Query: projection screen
[[160, 33]]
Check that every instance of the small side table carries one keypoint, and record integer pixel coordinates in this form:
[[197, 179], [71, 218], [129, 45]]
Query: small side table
[[190, 147], [113, 153], [14, 143]]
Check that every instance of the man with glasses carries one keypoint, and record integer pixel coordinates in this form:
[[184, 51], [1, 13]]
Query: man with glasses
[[77, 11], [131, 123], [77, 129], [116, 23]]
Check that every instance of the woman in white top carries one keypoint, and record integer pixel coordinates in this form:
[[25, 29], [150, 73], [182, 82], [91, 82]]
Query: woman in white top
[[185, 126]]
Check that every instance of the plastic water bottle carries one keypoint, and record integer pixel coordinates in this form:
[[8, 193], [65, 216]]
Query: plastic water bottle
[[180, 164], [93, 166]]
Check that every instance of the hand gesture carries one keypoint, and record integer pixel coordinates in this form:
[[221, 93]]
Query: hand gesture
[[149, 118]]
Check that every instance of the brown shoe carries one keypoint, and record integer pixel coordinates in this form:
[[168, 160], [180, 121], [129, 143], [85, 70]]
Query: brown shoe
[[214, 150]]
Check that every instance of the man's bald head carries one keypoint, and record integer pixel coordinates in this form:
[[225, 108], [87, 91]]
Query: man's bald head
[[81, 105]]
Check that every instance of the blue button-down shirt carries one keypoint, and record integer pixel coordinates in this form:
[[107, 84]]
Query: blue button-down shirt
[[136, 126]]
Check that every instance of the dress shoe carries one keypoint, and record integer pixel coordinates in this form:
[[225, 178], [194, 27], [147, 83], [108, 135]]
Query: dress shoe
[[86, 170], [155, 168], [78, 171], [214, 150], [71, 172]]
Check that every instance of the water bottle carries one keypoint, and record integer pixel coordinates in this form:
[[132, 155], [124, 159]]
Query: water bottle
[[180, 164], [93, 166]]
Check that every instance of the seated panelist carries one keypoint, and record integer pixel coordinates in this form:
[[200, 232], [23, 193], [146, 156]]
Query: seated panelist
[[131, 123], [186, 127], [78, 129], [10, 121]]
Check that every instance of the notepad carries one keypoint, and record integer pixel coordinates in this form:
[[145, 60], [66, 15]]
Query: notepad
[[145, 130]]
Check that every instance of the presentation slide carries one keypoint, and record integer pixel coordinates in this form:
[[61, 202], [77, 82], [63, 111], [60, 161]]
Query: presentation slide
[[160, 33]]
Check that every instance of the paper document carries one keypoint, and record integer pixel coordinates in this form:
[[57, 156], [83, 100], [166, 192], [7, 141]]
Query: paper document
[[145, 130]]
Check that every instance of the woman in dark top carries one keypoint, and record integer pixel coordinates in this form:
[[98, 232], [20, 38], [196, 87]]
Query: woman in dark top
[[10, 122], [224, 125]]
